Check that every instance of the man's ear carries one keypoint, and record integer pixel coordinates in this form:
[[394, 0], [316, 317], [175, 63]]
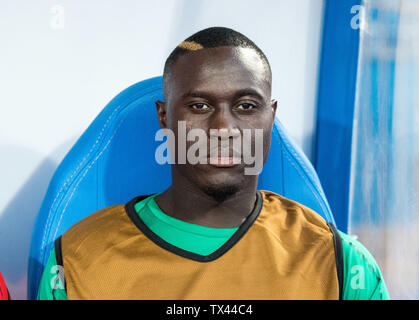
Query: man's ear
[[274, 104], [161, 113]]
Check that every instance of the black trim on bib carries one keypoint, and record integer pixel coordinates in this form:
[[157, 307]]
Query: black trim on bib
[[60, 264], [337, 241], [58, 252], [135, 218]]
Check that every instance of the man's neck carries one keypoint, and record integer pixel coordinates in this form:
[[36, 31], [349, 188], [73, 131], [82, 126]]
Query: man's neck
[[188, 203]]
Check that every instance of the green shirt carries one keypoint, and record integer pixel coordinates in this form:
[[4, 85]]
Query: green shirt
[[362, 277]]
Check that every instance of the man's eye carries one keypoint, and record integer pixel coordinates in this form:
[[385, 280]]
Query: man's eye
[[199, 106], [246, 106]]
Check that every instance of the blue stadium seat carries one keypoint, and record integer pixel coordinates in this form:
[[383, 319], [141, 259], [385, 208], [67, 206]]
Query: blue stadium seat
[[114, 161]]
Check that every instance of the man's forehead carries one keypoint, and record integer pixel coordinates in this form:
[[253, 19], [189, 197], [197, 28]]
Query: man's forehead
[[220, 69]]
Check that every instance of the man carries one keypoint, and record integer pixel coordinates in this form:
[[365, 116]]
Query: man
[[212, 234]]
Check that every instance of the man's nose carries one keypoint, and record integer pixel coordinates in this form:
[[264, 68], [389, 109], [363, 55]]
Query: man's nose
[[224, 123]]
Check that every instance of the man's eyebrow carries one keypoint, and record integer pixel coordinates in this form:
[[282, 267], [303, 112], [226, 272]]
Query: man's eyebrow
[[237, 94], [195, 94], [249, 92]]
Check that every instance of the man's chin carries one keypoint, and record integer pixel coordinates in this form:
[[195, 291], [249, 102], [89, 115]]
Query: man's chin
[[220, 192], [219, 184]]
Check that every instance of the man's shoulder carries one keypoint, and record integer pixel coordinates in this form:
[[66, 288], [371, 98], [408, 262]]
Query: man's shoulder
[[292, 213], [356, 254], [362, 275], [356, 250], [97, 225]]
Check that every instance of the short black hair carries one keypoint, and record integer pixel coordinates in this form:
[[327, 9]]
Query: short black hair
[[211, 38]]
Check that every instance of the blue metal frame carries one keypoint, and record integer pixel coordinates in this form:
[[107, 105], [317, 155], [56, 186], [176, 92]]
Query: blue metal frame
[[335, 105]]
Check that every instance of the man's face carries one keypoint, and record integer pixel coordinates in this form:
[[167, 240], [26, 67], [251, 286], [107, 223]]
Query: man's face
[[224, 88]]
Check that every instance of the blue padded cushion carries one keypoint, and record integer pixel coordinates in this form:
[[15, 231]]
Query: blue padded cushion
[[113, 161]]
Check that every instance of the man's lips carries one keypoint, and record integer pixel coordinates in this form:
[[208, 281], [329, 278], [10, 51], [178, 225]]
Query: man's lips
[[224, 162]]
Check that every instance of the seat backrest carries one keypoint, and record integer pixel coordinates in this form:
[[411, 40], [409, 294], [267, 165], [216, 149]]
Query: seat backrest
[[114, 161]]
